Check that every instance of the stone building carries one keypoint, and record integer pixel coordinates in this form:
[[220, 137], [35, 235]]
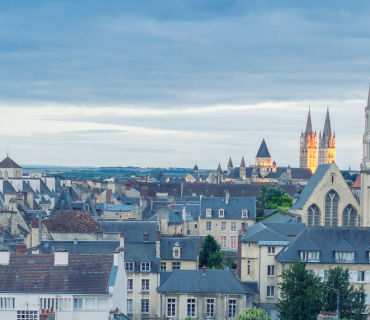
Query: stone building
[[327, 200], [10, 169]]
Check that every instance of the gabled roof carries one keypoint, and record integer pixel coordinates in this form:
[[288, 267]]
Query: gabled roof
[[309, 246], [8, 163], [242, 163], [311, 185], [263, 152], [343, 246], [189, 248], [286, 229], [63, 203], [215, 281], [277, 217], [265, 234], [219, 168], [357, 183]]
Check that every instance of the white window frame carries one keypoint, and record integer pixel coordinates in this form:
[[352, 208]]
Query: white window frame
[[101, 300], [7, 303], [271, 250], [210, 308], [223, 226], [208, 226], [208, 213], [78, 300], [27, 315], [177, 264], [145, 266], [86, 299], [171, 307], [271, 270], [232, 308], [223, 241], [191, 307], [245, 213], [233, 226], [221, 213], [129, 266], [270, 292], [145, 284], [146, 311], [131, 281], [129, 307], [359, 275]]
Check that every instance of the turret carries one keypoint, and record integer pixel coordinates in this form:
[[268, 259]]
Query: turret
[[242, 169], [230, 166]]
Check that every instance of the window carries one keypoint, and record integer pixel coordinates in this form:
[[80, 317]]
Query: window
[[163, 266], [27, 315], [331, 209], [191, 308], [232, 308], [249, 244], [145, 284], [102, 304], [271, 271], [144, 305], [349, 216], [310, 255], [208, 226], [345, 256], [360, 276], [249, 268], [313, 216], [129, 305], [129, 266], [77, 304], [145, 266], [270, 291], [145, 237], [223, 241], [188, 232], [130, 284], [176, 265], [176, 253], [209, 213], [244, 213], [271, 250], [233, 242], [221, 213], [233, 226], [223, 226], [90, 304], [195, 226], [171, 307], [7, 303], [55, 303], [210, 310]]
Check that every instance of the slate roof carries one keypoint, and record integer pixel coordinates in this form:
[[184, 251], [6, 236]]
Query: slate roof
[[7, 187], [193, 209], [263, 152], [309, 246], [311, 185], [63, 203], [343, 246], [263, 233], [278, 217], [286, 229], [173, 217], [86, 274], [9, 163], [215, 281], [121, 208], [189, 247], [133, 230], [329, 239], [233, 210], [44, 201]]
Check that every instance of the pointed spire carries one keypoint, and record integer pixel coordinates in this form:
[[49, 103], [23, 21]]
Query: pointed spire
[[219, 168], [309, 123], [242, 164], [263, 152], [320, 135], [230, 164], [327, 127], [368, 97], [334, 134]]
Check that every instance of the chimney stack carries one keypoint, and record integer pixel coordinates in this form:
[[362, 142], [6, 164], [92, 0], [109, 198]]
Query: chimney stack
[[227, 196], [21, 248], [35, 250], [116, 257], [4, 257], [61, 257], [204, 270], [122, 241], [158, 244]]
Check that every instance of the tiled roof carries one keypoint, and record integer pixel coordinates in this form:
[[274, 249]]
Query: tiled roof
[[309, 246], [189, 247], [85, 274], [357, 183], [72, 222], [9, 163], [263, 152]]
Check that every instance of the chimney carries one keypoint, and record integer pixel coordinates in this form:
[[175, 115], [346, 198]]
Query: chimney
[[243, 229], [122, 241], [128, 186], [35, 250], [21, 248], [204, 270], [61, 257], [227, 196], [158, 244], [143, 192], [4, 257], [44, 316], [116, 257], [34, 232], [108, 196], [239, 266], [25, 199]]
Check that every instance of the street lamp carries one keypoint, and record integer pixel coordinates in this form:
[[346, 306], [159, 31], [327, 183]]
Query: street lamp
[[337, 292]]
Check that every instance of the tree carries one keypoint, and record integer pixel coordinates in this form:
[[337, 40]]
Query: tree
[[351, 300], [303, 295], [267, 195], [253, 314], [210, 255]]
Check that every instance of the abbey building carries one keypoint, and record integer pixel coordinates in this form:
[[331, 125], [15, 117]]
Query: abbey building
[[313, 151]]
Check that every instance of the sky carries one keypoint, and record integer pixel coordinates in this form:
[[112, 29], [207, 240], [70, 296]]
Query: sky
[[173, 83]]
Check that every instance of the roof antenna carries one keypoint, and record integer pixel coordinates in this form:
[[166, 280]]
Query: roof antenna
[[7, 151]]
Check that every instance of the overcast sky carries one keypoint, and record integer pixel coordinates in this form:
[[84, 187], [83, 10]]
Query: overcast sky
[[171, 83]]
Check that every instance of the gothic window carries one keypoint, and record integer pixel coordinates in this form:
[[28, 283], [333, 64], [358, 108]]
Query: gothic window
[[313, 216], [331, 209], [349, 216]]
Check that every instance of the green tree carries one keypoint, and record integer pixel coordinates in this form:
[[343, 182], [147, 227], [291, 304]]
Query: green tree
[[302, 293], [253, 314], [210, 255], [351, 300], [268, 193]]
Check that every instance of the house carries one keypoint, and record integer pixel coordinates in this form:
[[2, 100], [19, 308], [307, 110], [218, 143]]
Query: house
[[257, 247], [122, 212], [71, 286], [10, 169], [329, 247], [327, 200], [202, 294], [221, 217]]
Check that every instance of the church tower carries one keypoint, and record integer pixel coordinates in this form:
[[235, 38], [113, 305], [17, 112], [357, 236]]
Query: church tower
[[326, 143], [230, 167], [308, 147], [365, 169]]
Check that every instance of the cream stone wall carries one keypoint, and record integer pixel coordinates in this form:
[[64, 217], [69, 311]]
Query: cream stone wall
[[135, 214], [193, 227], [324, 186], [216, 229], [185, 264]]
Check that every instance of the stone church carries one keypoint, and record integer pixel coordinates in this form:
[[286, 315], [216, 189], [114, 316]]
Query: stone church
[[310, 154]]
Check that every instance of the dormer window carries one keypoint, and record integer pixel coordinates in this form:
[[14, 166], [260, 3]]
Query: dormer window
[[344, 256], [129, 266], [244, 213], [310, 256], [221, 213], [176, 251], [209, 213], [145, 266]]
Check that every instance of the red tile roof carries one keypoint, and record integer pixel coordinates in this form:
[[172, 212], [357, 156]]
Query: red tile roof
[[357, 183]]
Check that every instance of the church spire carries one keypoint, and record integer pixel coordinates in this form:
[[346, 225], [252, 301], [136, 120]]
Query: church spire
[[368, 97], [242, 163], [327, 127], [219, 168], [309, 123], [230, 163]]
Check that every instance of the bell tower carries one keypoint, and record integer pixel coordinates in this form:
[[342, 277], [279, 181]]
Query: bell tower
[[327, 143], [308, 147]]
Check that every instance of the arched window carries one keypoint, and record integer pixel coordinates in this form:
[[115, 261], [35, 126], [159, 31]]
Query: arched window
[[331, 209], [313, 216], [349, 216]]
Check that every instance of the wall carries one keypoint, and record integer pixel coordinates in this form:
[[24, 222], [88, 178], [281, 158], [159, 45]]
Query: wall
[[185, 264]]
